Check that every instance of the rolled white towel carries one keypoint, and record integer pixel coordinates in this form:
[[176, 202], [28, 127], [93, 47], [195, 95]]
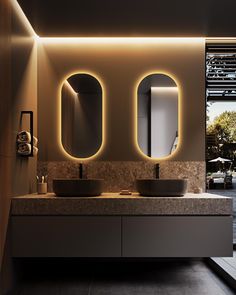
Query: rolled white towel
[[23, 137], [35, 151], [35, 141], [24, 149]]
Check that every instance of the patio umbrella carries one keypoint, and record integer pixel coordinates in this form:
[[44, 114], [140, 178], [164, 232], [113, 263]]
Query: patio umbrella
[[219, 159]]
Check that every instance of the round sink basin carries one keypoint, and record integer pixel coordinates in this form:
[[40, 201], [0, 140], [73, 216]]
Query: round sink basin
[[77, 187], [162, 187]]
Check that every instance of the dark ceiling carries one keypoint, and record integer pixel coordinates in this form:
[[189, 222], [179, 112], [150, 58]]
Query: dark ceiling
[[209, 18]]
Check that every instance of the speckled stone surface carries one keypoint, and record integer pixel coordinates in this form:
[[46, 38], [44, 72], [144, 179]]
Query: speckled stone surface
[[120, 175], [114, 204], [194, 171]]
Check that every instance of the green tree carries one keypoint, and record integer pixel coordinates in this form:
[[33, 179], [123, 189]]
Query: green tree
[[224, 126], [223, 129]]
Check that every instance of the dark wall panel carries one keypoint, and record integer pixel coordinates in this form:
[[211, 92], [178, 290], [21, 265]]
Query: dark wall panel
[[5, 120], [24, 98]]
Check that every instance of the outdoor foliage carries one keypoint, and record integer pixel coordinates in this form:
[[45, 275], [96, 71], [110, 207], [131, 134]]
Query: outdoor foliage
[[223, 131]]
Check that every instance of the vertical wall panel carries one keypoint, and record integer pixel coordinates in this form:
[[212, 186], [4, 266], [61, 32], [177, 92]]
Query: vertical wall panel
[[5, 119]]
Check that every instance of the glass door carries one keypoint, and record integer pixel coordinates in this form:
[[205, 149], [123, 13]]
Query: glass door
[[221, 121]]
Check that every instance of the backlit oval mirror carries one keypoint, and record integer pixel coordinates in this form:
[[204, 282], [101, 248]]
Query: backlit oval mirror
[[158, 115], [81, 115]]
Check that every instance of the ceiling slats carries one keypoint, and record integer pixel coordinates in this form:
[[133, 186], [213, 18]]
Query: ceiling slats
[[221, 72]]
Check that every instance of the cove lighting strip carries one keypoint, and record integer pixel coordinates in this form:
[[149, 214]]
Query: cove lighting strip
[[118, 40]]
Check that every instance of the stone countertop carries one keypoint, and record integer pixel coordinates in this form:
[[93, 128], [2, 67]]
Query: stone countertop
[[115, 204]]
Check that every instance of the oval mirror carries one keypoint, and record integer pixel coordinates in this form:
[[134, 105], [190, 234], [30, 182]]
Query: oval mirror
[[81, 115], [157, 115]]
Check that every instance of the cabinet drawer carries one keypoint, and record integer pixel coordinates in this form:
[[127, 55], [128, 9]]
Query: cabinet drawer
[[177, 236], [66, 236]]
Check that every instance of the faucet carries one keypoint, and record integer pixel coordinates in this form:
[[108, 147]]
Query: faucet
[[80, 171], [157, 170]]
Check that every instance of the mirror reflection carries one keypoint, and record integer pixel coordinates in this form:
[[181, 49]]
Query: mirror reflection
[[158, 115], [81, 115]]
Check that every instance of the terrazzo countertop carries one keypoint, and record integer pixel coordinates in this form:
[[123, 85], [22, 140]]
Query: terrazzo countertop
[[115, 204]]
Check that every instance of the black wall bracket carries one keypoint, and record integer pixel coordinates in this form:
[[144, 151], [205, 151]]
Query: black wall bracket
[[31, 114]]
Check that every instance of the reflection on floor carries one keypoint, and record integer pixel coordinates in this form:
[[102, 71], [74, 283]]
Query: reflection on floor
[[76, 277], [227, 267]]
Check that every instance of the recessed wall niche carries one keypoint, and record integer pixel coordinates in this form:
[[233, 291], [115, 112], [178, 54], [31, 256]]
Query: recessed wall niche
[[81, 115], [157, 116]]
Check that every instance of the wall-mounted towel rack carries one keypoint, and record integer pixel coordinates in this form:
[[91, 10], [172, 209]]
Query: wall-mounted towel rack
[[31, 114]]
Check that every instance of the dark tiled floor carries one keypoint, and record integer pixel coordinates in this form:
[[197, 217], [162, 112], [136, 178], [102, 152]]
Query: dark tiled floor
[[164, 277]]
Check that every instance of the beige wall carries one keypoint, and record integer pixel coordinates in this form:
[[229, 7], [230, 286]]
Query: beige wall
[[119, 67]]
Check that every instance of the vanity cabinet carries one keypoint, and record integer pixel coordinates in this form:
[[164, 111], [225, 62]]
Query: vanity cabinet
[[121, 236], [176, 236], [66, 236]]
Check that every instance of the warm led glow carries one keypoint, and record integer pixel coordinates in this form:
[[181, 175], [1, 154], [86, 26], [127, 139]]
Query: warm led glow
[[64, 80], [120, 40], [36, 38], [221, 38], [23, 17], [70, 87], [165, 89], [178, 88]]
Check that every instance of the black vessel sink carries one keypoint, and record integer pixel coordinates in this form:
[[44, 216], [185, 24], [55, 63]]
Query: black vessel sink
[[162, 187], [77, 187]]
